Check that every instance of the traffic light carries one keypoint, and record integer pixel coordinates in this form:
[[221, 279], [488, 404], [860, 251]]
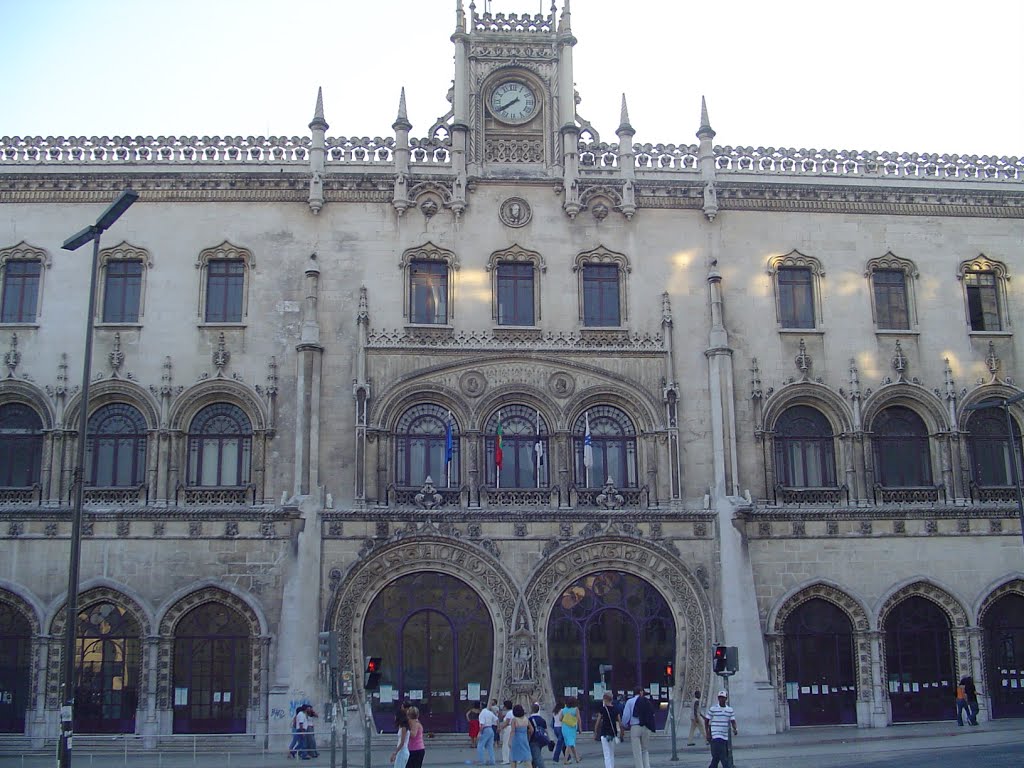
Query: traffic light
[[371, 677], [329, 649], [670, 674], [721, 660]]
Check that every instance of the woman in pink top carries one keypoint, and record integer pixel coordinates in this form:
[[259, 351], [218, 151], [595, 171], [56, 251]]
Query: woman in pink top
[[416, 748]]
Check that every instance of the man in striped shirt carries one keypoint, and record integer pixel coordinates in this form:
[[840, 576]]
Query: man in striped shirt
[[718, 720]]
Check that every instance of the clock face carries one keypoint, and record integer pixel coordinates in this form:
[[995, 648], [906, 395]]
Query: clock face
[[513, 102]]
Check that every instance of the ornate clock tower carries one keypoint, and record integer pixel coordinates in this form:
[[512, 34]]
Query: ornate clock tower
[[514, 103]]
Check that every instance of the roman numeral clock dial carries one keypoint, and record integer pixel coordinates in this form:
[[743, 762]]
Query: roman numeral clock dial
[[513, 102]]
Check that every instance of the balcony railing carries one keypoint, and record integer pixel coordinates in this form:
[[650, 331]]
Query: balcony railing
[[924, 494], [812, 496]]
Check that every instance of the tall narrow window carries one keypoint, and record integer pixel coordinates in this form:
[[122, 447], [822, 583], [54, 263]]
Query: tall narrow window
[[220, 447], [804, 453], [982, 301], [428, 292], [116, 447], [20, 291], [891, 305], [524, 448], [612, 448], [225, 285], [902, 458], [21, 446], [515, 294], [601, 295], [985, 294], [122, 291], [421, 447], [796, 297], [991, 448]]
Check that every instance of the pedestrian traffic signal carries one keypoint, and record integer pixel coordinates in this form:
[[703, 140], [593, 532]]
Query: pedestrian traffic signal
[[371, 677], [720, 664], [670, 674], [329, 649]]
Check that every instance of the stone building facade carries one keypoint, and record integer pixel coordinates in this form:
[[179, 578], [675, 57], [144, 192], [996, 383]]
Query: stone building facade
[[732, 389]]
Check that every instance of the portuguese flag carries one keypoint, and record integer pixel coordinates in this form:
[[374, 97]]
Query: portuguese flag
[[497, 446]]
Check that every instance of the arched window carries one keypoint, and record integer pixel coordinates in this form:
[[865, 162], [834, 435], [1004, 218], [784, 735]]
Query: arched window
[[821, 681], [108, 666], [116, 447], [804, 454], [612, 453], [423, 447], [524, 448], [990, 449], [15, 661], [212, 659], [918, 648], [220, 447], [21, 446], [902, 458]]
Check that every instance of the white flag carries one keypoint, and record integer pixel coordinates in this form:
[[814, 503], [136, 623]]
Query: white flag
[[588, 449]]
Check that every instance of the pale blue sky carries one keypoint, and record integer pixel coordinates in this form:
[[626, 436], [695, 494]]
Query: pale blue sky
[[898, 75]]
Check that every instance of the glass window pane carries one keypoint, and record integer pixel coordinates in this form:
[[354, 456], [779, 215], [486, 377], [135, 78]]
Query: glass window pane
[[208, 475]]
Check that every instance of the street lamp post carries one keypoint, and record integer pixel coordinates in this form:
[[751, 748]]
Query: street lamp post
[[1005, 404], [91, 233]]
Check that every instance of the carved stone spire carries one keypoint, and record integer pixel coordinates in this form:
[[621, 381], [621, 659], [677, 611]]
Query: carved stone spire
[[992, 361], [625, 133], [624, 126], [12, 357], [221, 355], [899, 362], [854, 380], [756, 390], [460, 18], [565, 23], [706, 153], [950, 383], [317, 154], [402, 126], [116, 356], [705, 130], [803, 362]]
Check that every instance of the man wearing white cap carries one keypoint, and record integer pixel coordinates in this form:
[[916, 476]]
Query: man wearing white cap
[[718, 720]]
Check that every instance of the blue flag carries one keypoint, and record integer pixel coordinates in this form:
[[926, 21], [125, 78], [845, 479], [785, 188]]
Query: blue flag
[[448, 441]]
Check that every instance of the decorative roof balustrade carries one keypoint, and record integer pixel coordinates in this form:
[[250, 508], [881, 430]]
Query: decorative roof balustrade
[[513, 22], [830, 162], [435, 151]]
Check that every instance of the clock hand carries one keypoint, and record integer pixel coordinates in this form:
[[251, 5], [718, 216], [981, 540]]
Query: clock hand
[[503, 107]]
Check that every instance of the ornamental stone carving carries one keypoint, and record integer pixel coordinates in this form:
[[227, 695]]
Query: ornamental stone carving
[[428, 497], [472, 384], [515, 212], [561, 385]]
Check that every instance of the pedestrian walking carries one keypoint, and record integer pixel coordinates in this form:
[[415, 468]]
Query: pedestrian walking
[[539, 741], [400, 756], [297, 737], [485, 742], [570, 727], [416, 748], [966, 701], [696, 724], [638, 720], [607, 729], [310, 731], [519, 732], [719, 720], [506, 719], [556, 725]]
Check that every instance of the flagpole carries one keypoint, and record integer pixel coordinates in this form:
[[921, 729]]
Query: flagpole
[[588, 455], [497, 448], [448, 450]]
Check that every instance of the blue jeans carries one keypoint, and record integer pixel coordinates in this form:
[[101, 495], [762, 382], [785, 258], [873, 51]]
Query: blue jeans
[[485, 746], [559, 743], [296, 742], [720, 753], [537, 753], [962, 706]]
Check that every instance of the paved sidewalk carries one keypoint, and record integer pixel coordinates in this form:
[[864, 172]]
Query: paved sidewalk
[[452, 752]]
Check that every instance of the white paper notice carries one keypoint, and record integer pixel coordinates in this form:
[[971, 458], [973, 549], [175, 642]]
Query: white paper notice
[[655, 690], [385, 693], [473, 691]]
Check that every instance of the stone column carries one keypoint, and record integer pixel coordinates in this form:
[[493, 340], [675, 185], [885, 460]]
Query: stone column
[[880, 706], [149, 726]]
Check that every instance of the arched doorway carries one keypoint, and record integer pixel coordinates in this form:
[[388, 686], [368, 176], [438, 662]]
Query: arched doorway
[[819, 662], [107, 669], [1004, 636], [919, 661], [211, 670], [609, 619], [15, 655], [436, 642]]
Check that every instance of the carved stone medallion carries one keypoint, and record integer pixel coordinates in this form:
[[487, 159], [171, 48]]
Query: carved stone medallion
[[515, 212], [561, 385], [472, 384]]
